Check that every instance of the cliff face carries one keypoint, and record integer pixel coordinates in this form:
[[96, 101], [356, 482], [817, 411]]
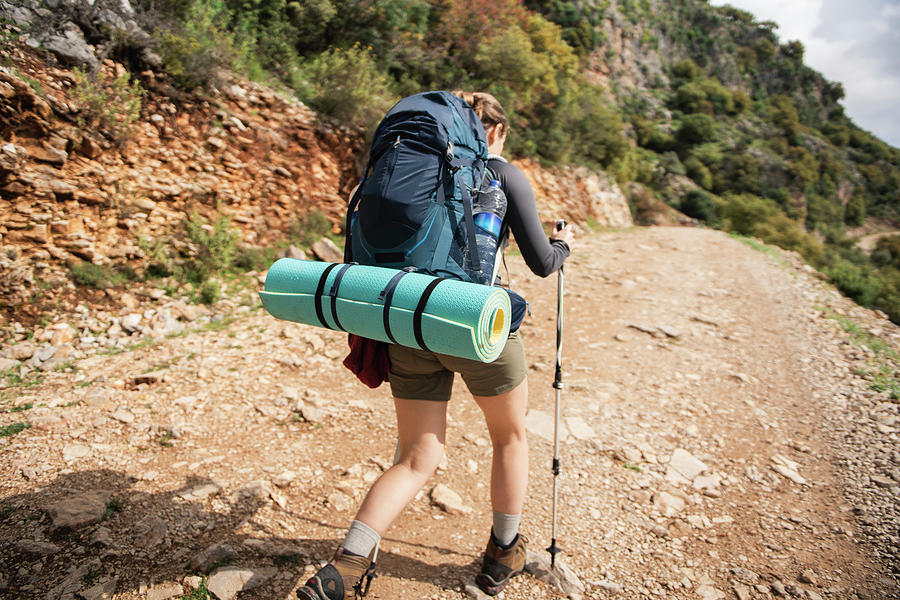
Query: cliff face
[[578, 194], [72, 194]]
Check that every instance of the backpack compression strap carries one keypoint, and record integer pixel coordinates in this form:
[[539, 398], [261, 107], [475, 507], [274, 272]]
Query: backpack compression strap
[[354, 202], [420, 309], [456, 163]]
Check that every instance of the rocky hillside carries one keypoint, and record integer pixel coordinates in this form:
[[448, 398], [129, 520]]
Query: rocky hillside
[[74, 189]]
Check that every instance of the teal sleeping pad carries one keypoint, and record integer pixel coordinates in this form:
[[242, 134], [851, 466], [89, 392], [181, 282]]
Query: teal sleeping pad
[[461, 319]]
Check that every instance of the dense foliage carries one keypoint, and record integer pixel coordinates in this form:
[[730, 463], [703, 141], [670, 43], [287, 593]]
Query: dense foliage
[[702, 107]]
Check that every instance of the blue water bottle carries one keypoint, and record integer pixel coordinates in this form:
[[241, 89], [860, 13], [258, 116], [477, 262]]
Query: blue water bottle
[[489, 210]]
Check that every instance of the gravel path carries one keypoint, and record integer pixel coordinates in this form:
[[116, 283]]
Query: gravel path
[[725, 438]]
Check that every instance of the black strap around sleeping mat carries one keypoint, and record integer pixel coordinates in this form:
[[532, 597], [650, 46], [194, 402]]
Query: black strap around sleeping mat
[[387, 295], [420, 309], [334, 295], [320, 314]]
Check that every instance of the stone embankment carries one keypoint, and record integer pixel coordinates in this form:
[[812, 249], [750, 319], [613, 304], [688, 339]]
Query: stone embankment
[[70, 193]]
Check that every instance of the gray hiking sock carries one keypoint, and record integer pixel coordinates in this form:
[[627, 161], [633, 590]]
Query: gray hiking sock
[[361, 539], [506, 527]]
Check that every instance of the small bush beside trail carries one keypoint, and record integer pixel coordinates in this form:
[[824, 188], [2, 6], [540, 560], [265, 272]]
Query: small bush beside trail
[[212, 247]]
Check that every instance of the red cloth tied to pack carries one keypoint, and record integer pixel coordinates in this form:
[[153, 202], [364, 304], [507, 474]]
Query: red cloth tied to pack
[[368, 360]]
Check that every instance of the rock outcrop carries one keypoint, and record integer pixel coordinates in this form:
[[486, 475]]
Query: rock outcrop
[[71, 191]]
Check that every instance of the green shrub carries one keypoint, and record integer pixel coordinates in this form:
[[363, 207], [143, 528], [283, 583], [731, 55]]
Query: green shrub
[[348, 85], [699, 172], [691, 98], [210, 291], [802, 167], [860, 283], [672, 164], [198, 45], [533, 73], [746, 58], [741, 101], [13, 429], [712, 155], [661, 141], [687, 70], [881, 258], [509, 59], [250, 258], [718, 96], [309, 228], [700, 205], [760, 217], [112, 105], [887, 252], [635, 166], [100, 276], [837, 133], [742, 212], [696, 129], [785, 116], [765, 50], [741, 173], [784, 232], [643, 129], [794, 50], [597, 131], [212, 246], [160, 261]]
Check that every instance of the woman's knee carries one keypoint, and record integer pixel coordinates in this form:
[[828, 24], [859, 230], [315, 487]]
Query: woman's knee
[[511, 436], [422, 457], [505, 416]]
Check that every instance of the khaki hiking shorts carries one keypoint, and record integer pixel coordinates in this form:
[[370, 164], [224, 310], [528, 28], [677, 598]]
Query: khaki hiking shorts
[[421, 375]]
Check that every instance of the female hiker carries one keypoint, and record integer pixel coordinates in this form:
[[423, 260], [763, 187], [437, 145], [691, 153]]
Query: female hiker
[[421, 383]]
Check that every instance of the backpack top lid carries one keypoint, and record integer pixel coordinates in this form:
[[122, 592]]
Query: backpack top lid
[[457, 124]]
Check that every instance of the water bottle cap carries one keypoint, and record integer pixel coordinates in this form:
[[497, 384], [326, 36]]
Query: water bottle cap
[[495, 183]]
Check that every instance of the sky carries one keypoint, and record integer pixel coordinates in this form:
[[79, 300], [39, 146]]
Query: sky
[[856, 43]]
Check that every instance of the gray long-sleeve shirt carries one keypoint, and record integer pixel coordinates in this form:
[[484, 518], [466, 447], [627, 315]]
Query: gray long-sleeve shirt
[[543, 256]]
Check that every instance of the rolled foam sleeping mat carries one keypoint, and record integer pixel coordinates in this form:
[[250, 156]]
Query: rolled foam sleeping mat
[[461, 319]]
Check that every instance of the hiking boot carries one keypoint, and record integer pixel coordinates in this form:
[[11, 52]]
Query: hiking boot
[[341, 579], [500, 565]]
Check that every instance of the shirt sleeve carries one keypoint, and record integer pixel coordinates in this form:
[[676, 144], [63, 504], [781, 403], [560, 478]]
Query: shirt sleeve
[[542, 255]]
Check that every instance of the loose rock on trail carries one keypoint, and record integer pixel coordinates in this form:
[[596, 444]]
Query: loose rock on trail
[[729, 432]]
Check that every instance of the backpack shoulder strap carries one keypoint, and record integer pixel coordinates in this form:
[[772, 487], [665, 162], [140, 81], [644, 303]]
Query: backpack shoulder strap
[[354, 202]]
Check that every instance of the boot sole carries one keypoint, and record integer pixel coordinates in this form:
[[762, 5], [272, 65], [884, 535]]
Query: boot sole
[[488, 585], [304, 593]]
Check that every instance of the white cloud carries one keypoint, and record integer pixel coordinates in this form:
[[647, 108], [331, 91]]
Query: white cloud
[[792, 16], [856, 43]]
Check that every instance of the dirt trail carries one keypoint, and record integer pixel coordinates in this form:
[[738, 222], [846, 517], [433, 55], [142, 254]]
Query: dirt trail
[[682, 346], [869, 242]]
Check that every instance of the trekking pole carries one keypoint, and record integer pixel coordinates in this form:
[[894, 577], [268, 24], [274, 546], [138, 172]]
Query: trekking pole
[[362, 589], [557, 385]]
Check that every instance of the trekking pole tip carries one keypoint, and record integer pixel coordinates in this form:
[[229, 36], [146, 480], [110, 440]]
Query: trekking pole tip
[[553, 550]]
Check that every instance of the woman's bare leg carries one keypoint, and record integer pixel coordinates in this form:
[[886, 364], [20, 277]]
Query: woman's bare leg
[[421, 429], [505, 417]]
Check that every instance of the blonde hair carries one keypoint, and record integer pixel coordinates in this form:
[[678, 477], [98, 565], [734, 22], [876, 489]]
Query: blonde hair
[[486, 107]]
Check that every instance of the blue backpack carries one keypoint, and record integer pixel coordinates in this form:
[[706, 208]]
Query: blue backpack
[[414, 206]]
